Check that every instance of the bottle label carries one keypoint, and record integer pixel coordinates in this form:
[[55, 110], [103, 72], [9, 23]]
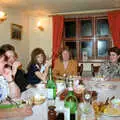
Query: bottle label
[[67, 113], [50, 93]]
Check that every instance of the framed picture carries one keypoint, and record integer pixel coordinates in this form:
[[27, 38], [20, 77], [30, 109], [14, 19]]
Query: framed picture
[[16, 31]]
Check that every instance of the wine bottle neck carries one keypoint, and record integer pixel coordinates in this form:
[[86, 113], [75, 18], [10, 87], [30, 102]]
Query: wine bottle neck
[[70, 91], [50, 73]]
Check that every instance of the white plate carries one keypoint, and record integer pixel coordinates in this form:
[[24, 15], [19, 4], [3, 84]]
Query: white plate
[[112, 112], [110, 115], [105, 86]]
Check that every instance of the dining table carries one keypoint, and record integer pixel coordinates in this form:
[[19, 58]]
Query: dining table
[[105, 89]]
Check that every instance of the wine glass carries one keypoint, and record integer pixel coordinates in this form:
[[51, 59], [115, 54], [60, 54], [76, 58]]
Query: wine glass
[[0, 94], [86, 111], [86, 107]]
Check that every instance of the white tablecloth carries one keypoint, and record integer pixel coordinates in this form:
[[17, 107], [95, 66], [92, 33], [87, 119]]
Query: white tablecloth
[[40, 112], [103, 89]]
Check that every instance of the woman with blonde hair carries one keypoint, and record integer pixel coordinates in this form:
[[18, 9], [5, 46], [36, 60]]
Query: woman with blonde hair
[[65, 65]]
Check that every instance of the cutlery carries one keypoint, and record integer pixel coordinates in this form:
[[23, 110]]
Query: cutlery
[[112, 98], [107, 101], [12, 101]]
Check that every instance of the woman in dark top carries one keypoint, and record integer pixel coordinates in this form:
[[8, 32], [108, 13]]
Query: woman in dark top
[[17, 72], [38, 67]]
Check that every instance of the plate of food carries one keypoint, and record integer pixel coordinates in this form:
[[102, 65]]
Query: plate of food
[[38, 99], [111, 111], [13, 103]]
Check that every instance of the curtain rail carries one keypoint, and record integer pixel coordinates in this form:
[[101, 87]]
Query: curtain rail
[[84, 12]]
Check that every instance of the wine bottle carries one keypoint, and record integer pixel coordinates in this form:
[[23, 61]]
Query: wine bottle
[[71, 101], [51, 85]]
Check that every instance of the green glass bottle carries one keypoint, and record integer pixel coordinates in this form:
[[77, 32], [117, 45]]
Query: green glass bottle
[[71, 101], [51, 85]]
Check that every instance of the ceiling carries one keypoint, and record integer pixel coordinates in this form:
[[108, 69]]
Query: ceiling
[[47, 7]]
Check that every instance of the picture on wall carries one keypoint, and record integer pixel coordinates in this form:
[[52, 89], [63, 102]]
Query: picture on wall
[[16, 31]]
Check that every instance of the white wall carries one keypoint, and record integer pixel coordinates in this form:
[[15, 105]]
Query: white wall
[[21, 46], [38, 38], [32, 37]]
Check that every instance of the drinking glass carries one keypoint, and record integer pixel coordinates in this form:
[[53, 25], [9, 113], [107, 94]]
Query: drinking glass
[[0, 94], [86, 111]]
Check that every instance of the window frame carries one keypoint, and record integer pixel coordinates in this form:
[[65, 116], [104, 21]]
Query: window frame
[[78, 39]]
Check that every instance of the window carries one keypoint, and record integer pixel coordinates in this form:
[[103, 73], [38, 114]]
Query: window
[[89, 35], [72, 47], [86, 46], [102, 27], [102, 46], [86, 28], [70, 29]]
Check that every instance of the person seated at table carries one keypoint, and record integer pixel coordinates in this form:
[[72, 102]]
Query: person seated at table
[[64, 65], [38, 67], [16, 66], [7, 85], [111, 68]]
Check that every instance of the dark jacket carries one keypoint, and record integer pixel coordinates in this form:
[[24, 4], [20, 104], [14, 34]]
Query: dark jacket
[[21, 80], [31, 77]]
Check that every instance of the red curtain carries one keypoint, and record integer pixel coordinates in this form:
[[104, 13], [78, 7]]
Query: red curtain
[[114, 23], [58, 22]]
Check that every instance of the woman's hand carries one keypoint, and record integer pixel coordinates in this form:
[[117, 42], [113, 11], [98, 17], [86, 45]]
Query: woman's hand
[[15, 66], [8, 74], [14, 90], [49, 62]]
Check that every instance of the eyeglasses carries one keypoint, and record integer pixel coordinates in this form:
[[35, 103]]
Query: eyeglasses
[[5, 58]]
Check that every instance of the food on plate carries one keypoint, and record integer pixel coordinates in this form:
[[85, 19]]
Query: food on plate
[[38, 99], [109, 110]]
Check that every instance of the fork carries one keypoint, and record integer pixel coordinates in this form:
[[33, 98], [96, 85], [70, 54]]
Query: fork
[[12, 101]]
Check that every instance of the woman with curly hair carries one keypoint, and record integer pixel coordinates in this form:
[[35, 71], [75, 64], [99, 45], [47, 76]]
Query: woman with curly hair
[[38, 67], [111, 68]]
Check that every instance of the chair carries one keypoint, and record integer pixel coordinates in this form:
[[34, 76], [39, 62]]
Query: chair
[[80, 69], [95, 69], [86, 69]]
